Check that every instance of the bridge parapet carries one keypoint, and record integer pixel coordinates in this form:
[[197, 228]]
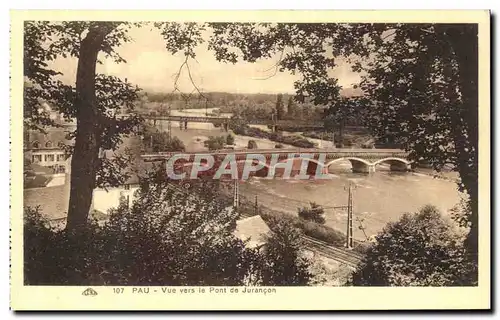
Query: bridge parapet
[[362, 160], [371, 156]]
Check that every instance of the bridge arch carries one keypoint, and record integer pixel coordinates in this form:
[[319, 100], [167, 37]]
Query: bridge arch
[[391, 159], [358, 165], [350, 159], [396, 164]]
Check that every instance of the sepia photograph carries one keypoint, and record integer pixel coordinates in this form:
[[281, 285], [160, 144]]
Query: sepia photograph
[[214, 154]]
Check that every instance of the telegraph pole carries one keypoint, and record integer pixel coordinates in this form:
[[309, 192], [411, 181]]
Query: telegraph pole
[[169, 125], [236, 195], [349, 240], [162, 108], [256, 206]]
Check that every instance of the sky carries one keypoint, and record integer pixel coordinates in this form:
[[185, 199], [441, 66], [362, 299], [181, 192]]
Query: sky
[[150, 66]]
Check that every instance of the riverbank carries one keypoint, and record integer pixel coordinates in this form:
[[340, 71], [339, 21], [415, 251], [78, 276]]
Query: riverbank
[[312, 229], [277, 137], [450, 176]]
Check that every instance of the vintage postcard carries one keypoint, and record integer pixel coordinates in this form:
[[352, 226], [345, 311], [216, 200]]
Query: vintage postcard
[[250, 160]]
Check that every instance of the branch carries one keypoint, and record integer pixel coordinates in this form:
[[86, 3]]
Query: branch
[[275, 66]]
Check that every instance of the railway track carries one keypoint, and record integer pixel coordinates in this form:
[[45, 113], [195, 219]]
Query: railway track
[[349, 258]]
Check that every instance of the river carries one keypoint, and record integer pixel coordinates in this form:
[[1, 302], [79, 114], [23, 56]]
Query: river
[[378, 198]]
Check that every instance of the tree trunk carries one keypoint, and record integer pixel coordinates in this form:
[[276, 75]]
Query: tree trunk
[[86, 149], [464, 40]]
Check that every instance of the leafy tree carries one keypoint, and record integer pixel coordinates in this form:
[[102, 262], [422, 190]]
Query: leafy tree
[[283, 263], [420, 249], [94, 101], [280, 107], [215, 143], [229, 139], [342, 112], [159, 141], [291, 108], [167, 237], [315, 213], [420, 81], [252, 144]]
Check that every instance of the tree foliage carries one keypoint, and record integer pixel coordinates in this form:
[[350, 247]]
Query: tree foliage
[[420, 249], [283, 263], [280, 107], [420, 81], [166, 237], [215, 143], [95, 101], [230, 139], [291, 108], [155, 140], [314, 213], [252, 144]]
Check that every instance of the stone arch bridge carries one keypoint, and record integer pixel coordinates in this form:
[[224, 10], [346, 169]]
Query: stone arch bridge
[[362, 160]]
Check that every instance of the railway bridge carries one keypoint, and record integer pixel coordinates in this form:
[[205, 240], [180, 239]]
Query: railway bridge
[[224, 121]]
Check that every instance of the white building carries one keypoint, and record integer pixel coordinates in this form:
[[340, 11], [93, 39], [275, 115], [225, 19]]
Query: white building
[[103, 200]]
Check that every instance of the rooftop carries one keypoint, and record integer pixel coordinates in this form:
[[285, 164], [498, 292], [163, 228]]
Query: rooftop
[[253, 229]]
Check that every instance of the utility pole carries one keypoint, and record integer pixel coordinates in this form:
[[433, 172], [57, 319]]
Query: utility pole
[[169, 125], [256, 206], [236, 194], [161, 112]]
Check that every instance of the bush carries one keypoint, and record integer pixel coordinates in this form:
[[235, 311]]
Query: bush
[[214, 143], [283, 264], [309, 228], [296, 141], [252, 144], [241, 130], [315, 213], [157, 141], [143, 245], [420, 249], [175, 144], [161, 240]]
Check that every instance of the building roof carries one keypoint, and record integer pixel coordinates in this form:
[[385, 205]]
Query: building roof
[[51, 139], [253, 229]]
